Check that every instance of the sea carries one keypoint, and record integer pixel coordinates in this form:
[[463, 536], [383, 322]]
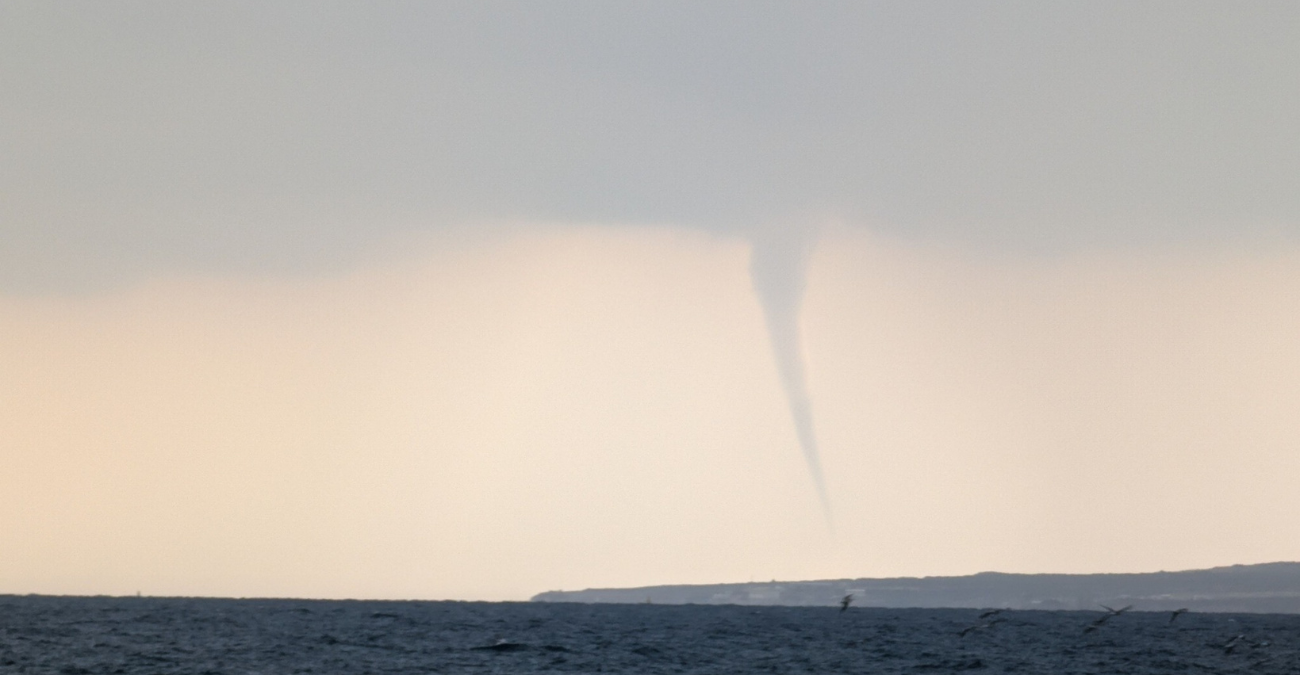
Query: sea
[[208, 636]]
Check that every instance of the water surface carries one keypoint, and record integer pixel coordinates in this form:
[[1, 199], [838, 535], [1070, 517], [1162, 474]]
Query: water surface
[[72, 636]]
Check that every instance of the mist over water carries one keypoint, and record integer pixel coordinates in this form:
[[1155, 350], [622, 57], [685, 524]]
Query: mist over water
[[779, 267]]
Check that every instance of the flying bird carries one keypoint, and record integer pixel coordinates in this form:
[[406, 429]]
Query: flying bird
[[1240, 639], [992, 612], [1098, 623], [1175, 614], [845, 602], [979, 626], [1111, 613]]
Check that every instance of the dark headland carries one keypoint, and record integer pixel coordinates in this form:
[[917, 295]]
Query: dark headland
[[1268, 588]]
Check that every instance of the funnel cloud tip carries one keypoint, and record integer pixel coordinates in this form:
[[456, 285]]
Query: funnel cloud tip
[[778, 266]]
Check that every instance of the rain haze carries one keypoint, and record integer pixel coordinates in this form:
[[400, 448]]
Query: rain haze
[[479, 299]]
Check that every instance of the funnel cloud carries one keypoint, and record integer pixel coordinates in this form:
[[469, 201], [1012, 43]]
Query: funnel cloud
[[778, 265]]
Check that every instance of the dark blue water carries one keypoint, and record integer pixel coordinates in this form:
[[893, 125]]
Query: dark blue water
[[160, 635]]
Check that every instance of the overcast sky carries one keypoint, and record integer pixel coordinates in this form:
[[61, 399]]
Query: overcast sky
[[145, 138], [454, 300]]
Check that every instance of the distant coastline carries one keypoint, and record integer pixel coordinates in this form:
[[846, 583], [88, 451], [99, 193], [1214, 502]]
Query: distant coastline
[[1262, 588]]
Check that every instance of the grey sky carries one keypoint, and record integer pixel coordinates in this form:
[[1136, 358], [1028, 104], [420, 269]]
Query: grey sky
[[152, 138], [220, 385]]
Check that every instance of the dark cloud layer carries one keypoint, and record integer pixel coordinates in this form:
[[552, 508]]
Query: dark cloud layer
[[147, 138]]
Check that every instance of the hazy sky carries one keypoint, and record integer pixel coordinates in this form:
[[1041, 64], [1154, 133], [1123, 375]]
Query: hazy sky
[[455, 300]]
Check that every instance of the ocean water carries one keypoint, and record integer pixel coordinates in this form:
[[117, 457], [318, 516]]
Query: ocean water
[[70, 636]]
